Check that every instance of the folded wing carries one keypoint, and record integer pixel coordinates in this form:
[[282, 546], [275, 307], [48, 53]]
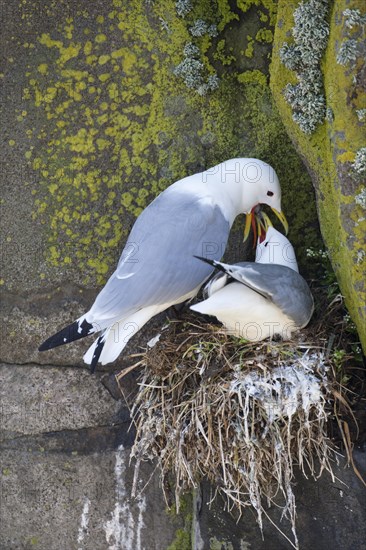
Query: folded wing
[[157, 265], [286, 288]]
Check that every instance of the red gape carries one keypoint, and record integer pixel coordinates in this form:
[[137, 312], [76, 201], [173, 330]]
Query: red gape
[[262, 233]]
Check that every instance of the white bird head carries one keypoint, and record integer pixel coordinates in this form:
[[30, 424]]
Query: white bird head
[[241, 184], [276, 249], [260, 185]]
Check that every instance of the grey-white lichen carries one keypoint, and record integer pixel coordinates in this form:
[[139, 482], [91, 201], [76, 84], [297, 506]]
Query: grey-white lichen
[[191, 70], [212, 84], [200, 28], [359, 164], [311, 29], [310, 32], [183, 7], [290, 55], [306, 99], [361, 114], [164, 25], [348, 52], [353, 18], [350, 48], [190, 50], [360, 257], [329, 114], [361, 198]]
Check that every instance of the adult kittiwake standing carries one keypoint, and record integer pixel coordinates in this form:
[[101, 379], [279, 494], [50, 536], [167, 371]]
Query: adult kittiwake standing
[[157, 268], [257, 300]]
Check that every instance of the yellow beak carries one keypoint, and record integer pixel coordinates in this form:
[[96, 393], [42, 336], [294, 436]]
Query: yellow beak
[[248, 225], [282, 218], [262, 220]]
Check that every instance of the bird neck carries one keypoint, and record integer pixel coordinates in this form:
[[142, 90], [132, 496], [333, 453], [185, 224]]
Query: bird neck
[[229, 200], [229, 186]]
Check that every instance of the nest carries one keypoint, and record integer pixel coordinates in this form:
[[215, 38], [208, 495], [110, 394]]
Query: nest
[[241, 415]]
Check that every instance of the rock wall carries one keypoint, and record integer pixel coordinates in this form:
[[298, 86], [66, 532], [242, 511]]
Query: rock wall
[[65, 475], [331, 150], [99, 116], [98, 123], [66, 481]]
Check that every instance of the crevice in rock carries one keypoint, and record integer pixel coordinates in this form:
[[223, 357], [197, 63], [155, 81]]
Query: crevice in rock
[[84, 441]]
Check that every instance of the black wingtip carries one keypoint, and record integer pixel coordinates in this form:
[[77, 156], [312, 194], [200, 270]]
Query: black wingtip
[[206, 260], [214, 263], [98, 350], [71, 333], [47, 344]]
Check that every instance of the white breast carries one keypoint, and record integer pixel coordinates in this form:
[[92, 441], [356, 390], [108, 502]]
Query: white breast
[[246, 314]]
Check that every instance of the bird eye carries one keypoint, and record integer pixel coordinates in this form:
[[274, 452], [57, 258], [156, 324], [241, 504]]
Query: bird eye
[[270, 193]]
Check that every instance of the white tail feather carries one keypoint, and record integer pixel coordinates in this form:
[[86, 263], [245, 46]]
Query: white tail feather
[[117, 336], [88, 356]]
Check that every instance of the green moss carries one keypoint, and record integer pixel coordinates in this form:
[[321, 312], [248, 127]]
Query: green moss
[[78, 129], [328, 153], [269, 5], [226, 15], [43, 68], [254, 77], [221, 56], [216, 544], [182, 541]]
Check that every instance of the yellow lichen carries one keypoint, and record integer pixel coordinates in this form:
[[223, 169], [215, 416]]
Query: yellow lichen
[[43, 68], [100, 38], [264, 35], [348, 156], [249, 51], [116, 130]]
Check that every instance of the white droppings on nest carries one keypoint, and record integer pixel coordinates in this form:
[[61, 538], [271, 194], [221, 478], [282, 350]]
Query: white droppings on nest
[[153, 341], [284, 390], [242, 416]]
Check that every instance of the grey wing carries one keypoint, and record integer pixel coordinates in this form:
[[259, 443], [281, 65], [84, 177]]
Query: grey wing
[[157, 265], [284, 286]]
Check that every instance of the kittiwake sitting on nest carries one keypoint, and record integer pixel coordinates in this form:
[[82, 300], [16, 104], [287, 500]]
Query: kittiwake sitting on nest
[[157, 268], [257, 300]]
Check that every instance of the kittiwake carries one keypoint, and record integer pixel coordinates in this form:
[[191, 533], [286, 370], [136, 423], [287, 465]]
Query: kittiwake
[[157, 268], [257, 300]]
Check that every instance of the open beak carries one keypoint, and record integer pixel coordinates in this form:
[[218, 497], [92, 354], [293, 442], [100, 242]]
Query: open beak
[[260, 222], [263, 223], [282, 218]]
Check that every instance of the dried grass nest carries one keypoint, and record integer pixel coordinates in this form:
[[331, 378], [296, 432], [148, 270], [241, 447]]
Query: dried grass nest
[[239, 414]]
